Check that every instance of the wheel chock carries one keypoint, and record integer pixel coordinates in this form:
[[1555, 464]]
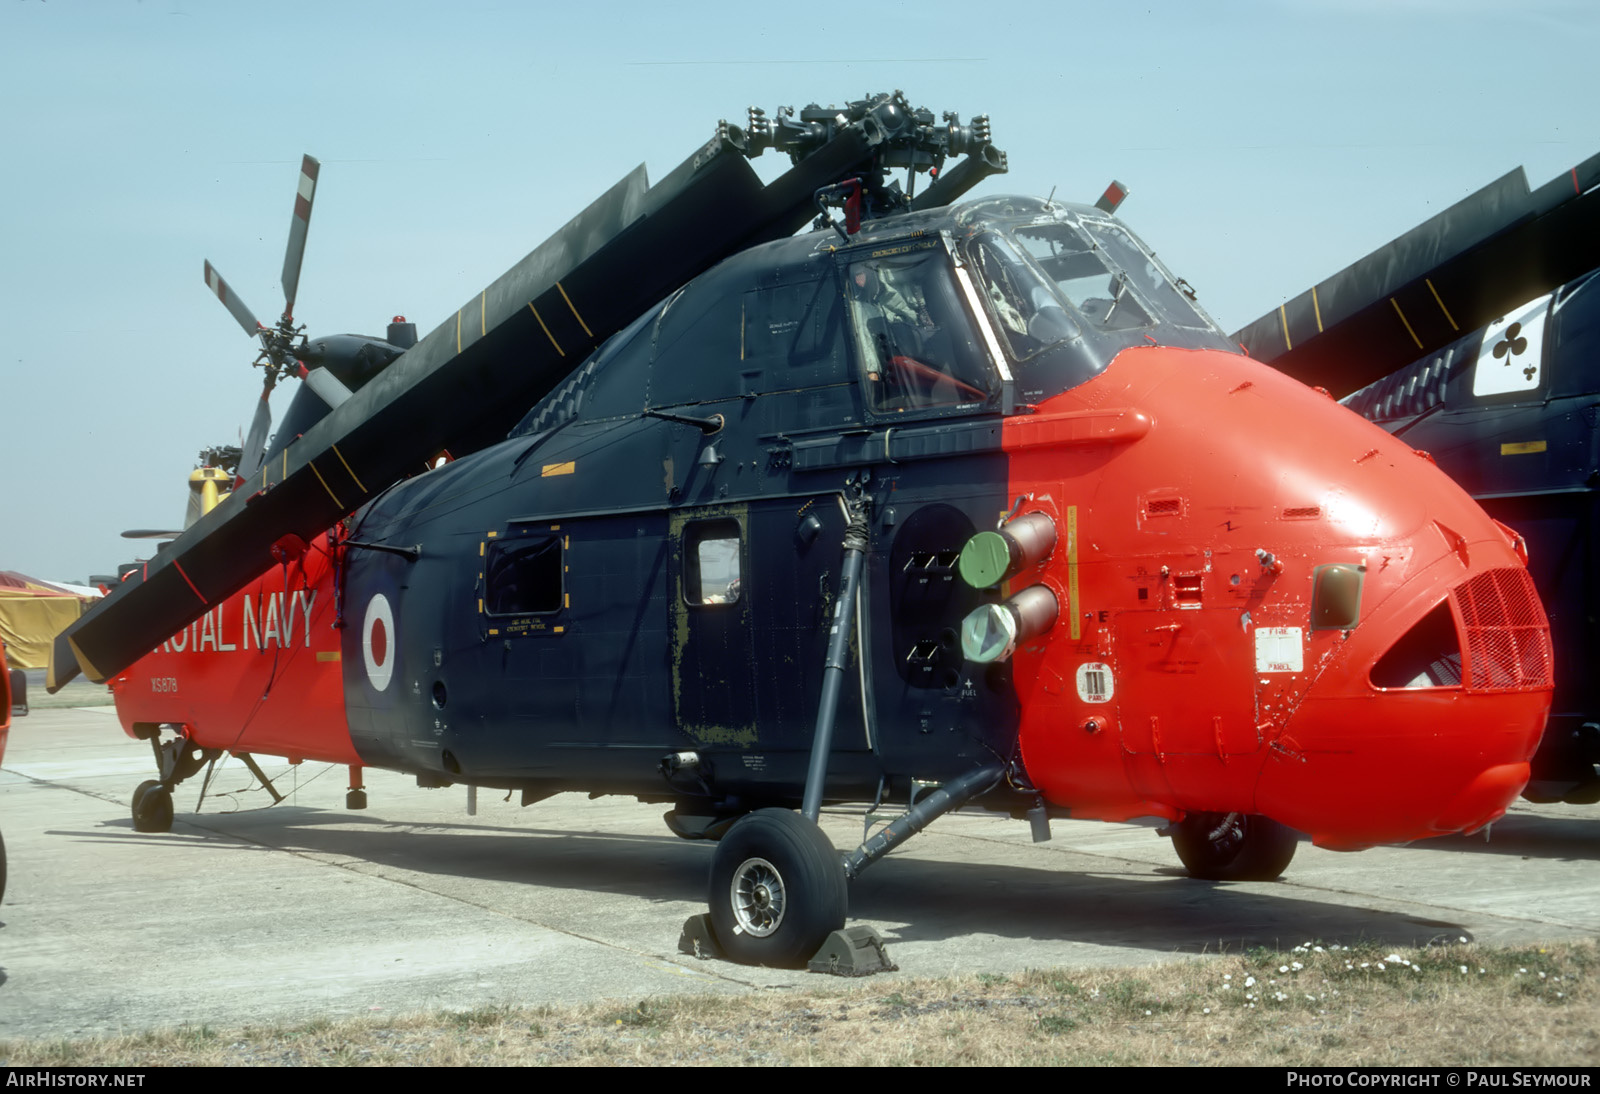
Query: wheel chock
[[697, 938], [854, 951]]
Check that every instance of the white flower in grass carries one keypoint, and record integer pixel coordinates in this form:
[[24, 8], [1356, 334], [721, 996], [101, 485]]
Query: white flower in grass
[[1249, 981], [1463, 968]]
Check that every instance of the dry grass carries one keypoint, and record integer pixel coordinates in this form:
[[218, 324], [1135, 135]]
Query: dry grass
[[1535, 1005]]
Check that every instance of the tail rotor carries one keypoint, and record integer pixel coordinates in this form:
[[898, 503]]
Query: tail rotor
[[282, 345]]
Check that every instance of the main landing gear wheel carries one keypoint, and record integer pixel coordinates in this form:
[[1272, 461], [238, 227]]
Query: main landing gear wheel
[[152, 807], [1233, 846], [777, 889]]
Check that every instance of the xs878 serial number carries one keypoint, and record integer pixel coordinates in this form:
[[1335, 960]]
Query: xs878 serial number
[[163, 683]]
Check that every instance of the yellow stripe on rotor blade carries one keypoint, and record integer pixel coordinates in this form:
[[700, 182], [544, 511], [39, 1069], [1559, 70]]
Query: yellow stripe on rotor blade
[[325, 485], [348, 468], [574, 310], [1406, 322], [1440, 301], [546, 329]]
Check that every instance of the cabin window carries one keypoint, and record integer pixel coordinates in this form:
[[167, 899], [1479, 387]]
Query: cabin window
[[523, 574], [712, 568], [917, 346]]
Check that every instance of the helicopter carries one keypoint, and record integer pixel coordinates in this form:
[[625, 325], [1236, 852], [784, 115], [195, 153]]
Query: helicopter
[[1477, 331], [945, 502]]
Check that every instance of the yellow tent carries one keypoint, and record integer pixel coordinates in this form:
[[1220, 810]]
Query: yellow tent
[[32, 613]]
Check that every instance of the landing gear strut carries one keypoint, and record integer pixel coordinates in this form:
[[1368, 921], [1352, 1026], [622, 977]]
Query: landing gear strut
[[176, 759], [1233, 846]]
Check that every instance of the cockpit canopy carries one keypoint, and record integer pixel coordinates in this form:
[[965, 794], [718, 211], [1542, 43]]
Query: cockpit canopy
[[994, 304], [1067, 288]]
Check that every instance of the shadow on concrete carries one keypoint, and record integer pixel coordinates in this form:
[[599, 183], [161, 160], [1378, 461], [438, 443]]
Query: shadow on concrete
[[1111, 902], [1570, 839]]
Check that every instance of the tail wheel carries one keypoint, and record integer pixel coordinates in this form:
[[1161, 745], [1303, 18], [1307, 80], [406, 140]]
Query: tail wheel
[[777, 889], [1233, 846], [152, 807]]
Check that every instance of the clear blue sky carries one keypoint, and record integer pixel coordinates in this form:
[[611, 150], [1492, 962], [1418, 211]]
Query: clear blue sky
[[1267, 144]]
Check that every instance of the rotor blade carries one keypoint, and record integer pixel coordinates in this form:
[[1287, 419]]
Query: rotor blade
[[452, 390], [240, 311], [1451, 274], [150, 533], [328, 387], [298, 225], [255, 444]]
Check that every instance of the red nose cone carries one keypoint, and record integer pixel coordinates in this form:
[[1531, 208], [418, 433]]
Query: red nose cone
[[1201, 664]]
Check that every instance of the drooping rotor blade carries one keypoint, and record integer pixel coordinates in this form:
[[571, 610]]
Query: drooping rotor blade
[[151, 533], [329, 388], [240, 311], [454, 388], [298, 225], [255, 442], [1450, 275]]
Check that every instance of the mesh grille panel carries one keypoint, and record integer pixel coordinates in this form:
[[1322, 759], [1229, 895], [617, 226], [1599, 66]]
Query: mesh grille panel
[[1507, 636]]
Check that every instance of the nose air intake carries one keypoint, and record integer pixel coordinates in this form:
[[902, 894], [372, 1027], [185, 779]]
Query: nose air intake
[[1507, 637], [1496, 639]]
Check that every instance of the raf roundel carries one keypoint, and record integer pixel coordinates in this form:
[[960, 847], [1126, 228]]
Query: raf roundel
[[377, 641]]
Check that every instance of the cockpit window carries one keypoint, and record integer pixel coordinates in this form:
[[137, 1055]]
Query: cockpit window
[[1154, 283], [1029, 312], [1067, 290], [916, 344], [1103, 296]]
